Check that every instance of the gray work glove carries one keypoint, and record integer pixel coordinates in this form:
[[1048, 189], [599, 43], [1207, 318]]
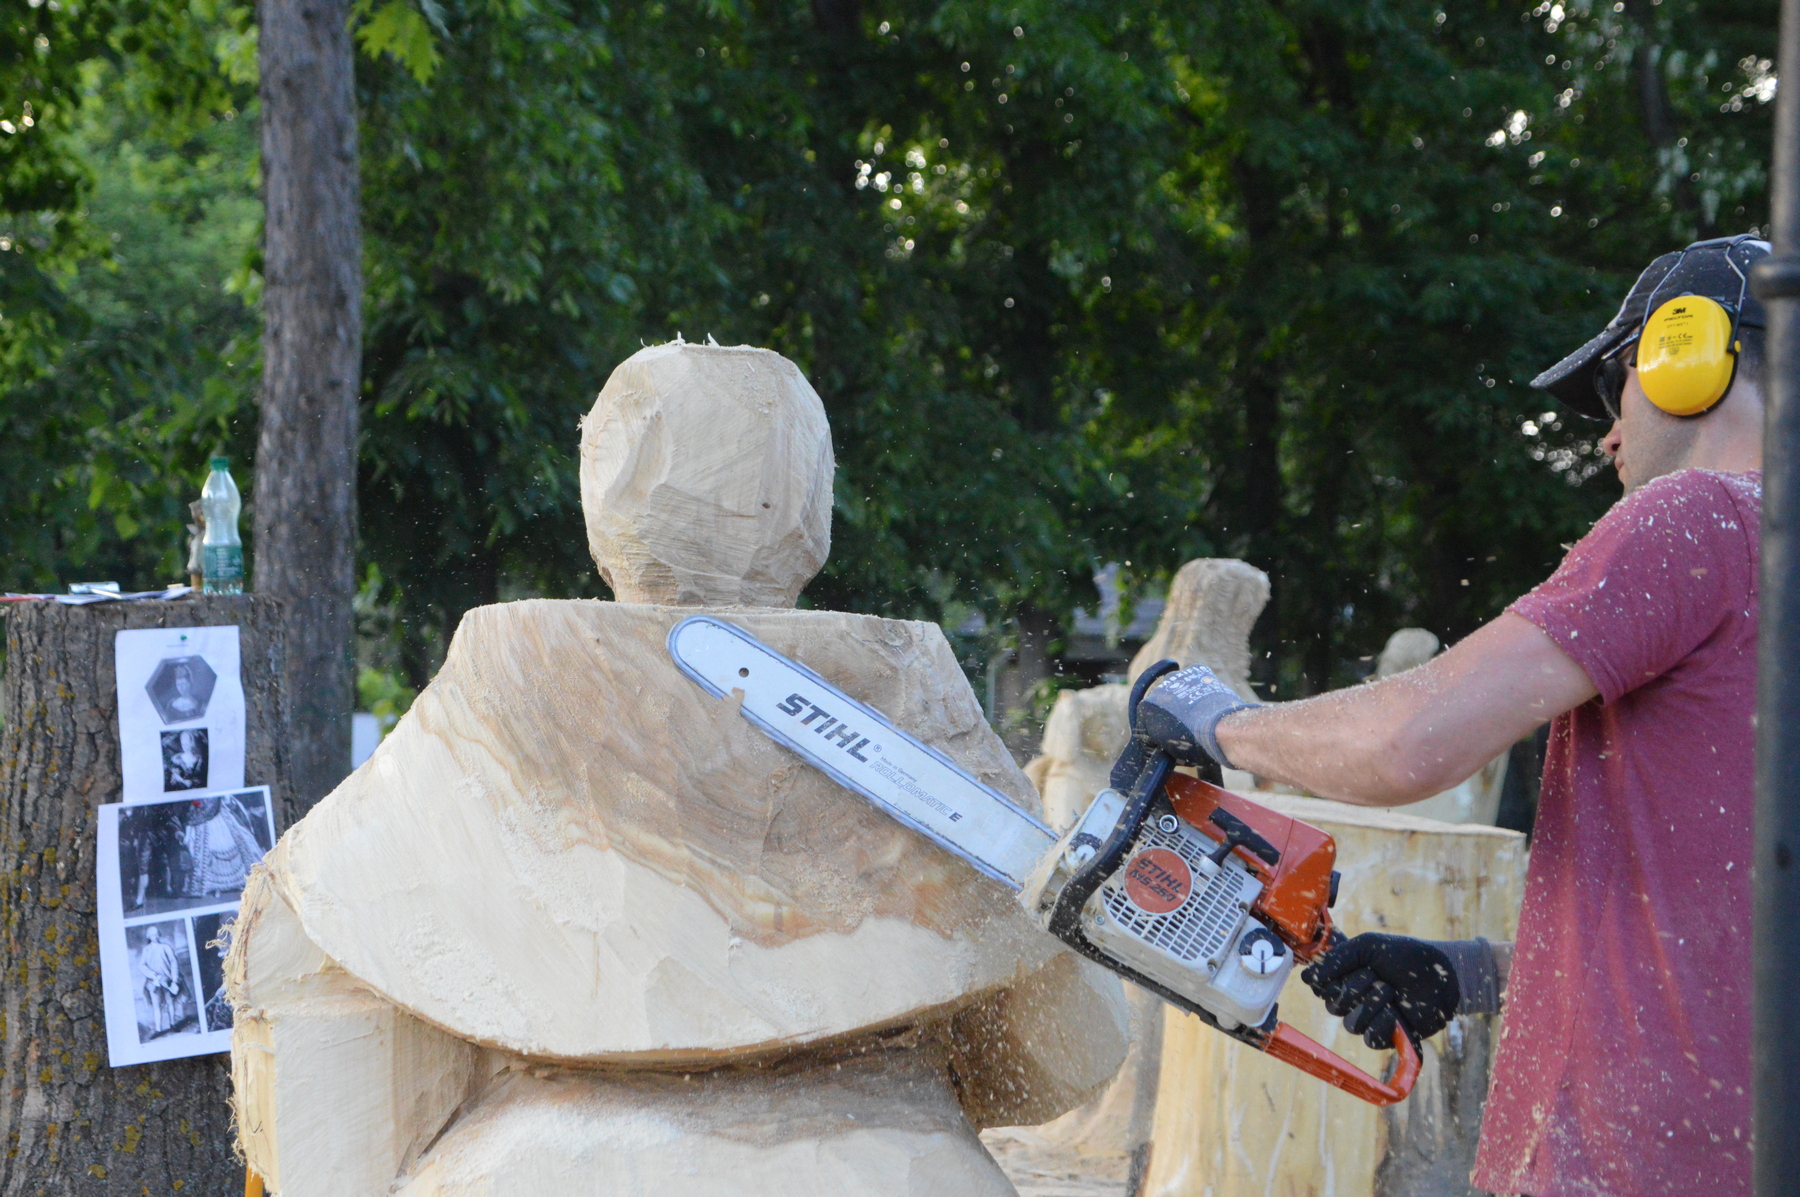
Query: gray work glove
[[1181, 714]]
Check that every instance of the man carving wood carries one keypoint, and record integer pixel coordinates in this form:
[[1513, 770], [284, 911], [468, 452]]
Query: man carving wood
[[1625, 1061]]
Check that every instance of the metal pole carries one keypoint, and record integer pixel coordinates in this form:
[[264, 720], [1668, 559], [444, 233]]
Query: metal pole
[[1776, 1023]]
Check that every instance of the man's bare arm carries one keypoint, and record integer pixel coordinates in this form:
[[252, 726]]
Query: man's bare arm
[[1418, 733]]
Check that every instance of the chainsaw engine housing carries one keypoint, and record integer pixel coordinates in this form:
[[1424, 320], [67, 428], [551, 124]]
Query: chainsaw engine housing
[[1177, 910]]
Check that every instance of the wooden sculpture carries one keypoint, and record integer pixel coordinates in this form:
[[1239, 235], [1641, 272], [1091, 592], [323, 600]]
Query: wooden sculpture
[[577, 927]]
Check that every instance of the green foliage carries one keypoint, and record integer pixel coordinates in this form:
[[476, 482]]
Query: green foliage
[[1076, 282], [127, 353], [396, 28], [1410, 234], [383, 695]]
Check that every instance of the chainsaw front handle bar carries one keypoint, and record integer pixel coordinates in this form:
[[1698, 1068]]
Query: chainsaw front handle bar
[[1291, 1047]]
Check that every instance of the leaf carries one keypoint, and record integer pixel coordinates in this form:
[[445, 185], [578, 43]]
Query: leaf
[[398, 29]]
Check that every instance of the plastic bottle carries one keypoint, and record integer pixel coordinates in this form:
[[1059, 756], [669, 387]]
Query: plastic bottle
[[222, 550]]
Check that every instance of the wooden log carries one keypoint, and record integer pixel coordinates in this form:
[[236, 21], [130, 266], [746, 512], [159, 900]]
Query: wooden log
[[1232, 1120], [73, 1125]]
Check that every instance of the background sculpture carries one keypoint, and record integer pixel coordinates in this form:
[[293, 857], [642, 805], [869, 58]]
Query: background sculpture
[[1475, 799]]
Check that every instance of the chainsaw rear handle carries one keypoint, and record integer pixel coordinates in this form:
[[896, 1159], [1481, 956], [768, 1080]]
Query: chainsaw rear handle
[[1291, 1047]]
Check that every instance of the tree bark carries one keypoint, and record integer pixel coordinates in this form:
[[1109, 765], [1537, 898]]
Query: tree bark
[[72, 1125], [305, 499]]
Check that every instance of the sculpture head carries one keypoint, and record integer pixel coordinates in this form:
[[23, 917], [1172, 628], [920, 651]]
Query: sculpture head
[[706, 478]]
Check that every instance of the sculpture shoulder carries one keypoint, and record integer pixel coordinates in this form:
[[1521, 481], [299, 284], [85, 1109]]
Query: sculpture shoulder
[[818, 637]]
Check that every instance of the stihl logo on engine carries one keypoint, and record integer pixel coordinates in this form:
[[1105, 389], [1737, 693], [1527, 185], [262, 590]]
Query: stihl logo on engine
[[1158, 881]]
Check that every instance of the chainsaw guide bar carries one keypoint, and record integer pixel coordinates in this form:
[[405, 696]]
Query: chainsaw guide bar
[[859, 748]]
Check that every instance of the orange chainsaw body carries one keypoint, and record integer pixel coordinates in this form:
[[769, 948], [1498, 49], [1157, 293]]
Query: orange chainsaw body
[[1295, 904]]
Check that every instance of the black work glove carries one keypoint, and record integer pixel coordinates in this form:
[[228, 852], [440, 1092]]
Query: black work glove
[[1180, 714], [1372, 980]]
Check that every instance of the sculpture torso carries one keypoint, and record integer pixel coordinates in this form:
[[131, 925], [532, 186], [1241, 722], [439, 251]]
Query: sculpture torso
[[561, 793]]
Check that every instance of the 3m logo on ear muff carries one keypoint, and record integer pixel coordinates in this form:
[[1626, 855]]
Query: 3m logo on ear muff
[[1685, 355]]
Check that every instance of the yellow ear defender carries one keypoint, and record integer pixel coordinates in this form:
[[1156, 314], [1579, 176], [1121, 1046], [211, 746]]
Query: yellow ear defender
[[1687, 354]]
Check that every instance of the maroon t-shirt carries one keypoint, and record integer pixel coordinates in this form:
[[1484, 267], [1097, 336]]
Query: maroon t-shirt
[[1624, 1061]]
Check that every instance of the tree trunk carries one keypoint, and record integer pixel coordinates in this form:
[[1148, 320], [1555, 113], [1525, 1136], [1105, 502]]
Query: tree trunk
[[305, 500], [73, 1125], [1017, 691], [1657, 111]]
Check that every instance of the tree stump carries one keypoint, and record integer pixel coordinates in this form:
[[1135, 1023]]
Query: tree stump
[[72, 1125]]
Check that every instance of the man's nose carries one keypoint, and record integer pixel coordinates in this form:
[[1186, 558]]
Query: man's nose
[[1609, 444]]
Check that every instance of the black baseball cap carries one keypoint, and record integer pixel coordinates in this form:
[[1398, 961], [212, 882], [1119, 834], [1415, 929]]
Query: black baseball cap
[[1715, 269]]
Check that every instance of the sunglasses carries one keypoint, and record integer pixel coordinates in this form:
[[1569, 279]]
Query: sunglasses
[[1609, 376]]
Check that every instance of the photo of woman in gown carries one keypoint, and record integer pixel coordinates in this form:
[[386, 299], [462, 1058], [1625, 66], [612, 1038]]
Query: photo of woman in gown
[[184, 759], [222, 847]]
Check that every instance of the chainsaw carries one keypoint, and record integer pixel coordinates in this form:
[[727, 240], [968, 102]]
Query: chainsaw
[[1199, 895]]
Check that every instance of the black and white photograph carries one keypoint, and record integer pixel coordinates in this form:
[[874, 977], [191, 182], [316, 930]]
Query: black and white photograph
[[180, 688], [225, 836], [184, 757], [178, 866], [212, 939], [190, 852], [162, 980], [181, 710]]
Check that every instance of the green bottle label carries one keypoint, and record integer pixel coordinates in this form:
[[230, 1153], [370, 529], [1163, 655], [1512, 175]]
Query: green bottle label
[[223, 562]]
